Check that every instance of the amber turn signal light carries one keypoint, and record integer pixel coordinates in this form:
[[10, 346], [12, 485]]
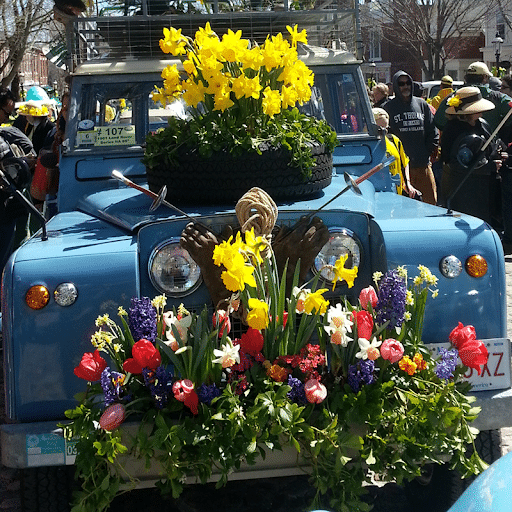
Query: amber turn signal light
[[37, 297], [476, 266]]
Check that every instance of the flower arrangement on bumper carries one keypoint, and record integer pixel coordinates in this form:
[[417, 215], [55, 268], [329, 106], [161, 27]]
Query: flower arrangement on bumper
[[351, 388], [241, 98]]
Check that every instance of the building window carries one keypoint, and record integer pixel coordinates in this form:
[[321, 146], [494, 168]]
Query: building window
[[375, 38], [500, 24]]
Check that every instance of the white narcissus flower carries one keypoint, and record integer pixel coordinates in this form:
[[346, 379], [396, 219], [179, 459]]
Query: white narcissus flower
[[182, 325], [228, 354], [339, 325], [301, 294], [368, 350]]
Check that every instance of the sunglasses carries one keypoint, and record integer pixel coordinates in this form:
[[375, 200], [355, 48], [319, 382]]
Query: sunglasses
[[403, 84]]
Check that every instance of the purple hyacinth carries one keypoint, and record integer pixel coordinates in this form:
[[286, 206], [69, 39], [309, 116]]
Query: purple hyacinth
[[297, 393], [207, 393], [159, 382], [142, 319], [361, 373], [446, 366], [391, 303], [111, 383]]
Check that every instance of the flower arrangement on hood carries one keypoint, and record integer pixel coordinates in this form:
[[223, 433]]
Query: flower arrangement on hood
[[351, 387], [240, 98]]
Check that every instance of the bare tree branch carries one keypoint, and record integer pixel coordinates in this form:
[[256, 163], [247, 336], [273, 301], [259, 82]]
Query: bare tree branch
[[430, 29]]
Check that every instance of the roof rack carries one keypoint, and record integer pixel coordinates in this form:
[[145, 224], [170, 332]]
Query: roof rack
[[136, 36]]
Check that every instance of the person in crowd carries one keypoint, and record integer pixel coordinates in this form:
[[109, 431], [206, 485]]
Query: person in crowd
[[494, 83], [49, 156], [394, 147], [34, 122], [506, 175], [380, 93], [462, 138], [10, 208], [445, 89], [411, 120], [478, 75]]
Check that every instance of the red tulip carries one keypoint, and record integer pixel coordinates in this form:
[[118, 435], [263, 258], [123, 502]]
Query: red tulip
[[461, 334], [112, 417], [473, 354], [145, 355], [364, 322], [184, 392], [251, 341], [91, 366], [224, 322]]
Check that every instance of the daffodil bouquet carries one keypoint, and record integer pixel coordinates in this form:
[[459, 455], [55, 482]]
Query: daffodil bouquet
[[241, 97], [350, 387]]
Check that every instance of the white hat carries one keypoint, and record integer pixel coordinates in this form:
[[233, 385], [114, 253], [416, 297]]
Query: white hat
[[478, 68]]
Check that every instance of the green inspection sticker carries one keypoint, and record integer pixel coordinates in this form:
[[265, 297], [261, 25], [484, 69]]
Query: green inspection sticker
[[45, 449]]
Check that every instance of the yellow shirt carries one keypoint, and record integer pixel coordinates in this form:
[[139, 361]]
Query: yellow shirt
[[436, 100], [396, 149]]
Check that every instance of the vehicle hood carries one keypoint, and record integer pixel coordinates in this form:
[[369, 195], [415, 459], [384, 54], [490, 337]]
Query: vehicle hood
[[130, 209]]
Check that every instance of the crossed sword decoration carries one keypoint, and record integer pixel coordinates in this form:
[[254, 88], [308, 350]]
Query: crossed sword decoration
[[159, 199]]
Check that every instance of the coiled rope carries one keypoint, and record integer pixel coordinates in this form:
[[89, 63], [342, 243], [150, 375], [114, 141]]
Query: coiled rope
[[256, 209]]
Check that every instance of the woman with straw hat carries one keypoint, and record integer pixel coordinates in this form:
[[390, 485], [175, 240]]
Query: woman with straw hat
[[34, 119], [461, 141]]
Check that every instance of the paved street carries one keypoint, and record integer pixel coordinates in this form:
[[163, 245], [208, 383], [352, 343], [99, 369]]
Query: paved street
[[389, 498]]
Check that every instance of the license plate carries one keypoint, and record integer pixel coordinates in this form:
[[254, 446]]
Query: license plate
[[495, 374]]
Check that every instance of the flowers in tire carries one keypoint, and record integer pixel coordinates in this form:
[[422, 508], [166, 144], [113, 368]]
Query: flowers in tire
[[240, 95]]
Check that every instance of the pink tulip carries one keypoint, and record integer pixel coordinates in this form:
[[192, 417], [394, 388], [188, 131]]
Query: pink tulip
[[368, 295], [315, 391], [392, 350]]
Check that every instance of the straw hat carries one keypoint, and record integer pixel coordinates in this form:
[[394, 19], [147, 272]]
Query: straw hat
[[468, 100]]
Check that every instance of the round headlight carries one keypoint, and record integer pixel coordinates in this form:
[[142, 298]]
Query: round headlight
[[341, 241], [172, 271], [65, 294], [450, 267]]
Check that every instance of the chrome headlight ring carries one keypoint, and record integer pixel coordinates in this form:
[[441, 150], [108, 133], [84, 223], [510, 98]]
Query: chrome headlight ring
[[172, 270], [341, 241]]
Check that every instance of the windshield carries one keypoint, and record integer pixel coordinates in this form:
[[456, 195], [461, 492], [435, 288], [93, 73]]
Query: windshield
[[122, 114]]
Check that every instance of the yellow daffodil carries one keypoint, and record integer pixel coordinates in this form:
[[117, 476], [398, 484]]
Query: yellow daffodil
[[271, 102], [173, 42], [316, 302], [257, 317], [297, 36], [341, 273]]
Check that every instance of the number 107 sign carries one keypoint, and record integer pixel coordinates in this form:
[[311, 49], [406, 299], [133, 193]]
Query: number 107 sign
[[493, 375]]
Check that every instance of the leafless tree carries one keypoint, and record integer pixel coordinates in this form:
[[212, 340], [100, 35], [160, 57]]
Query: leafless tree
[[22, 23], [430, 29]]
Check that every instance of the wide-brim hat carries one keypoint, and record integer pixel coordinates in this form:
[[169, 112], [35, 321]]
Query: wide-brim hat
[[34, 108], [468, 100]]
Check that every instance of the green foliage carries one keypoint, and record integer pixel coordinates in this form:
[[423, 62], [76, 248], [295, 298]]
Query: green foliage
[[216, 131], [404, 417]]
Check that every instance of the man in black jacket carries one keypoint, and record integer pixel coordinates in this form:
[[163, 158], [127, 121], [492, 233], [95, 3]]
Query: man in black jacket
[[10, 208], [411, 120]]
